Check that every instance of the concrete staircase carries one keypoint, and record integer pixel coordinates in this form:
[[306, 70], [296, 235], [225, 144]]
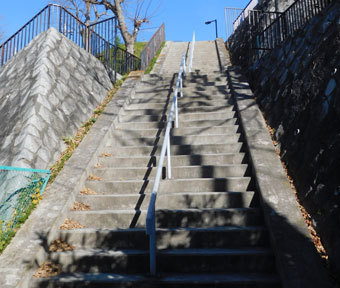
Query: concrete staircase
[[210, 229]]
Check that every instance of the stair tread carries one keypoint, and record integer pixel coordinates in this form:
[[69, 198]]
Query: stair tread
[[179, 229], [216, 251], [173, 180], [178, 156], [166, 278], [170, 252], [167, 194], [132, 210]]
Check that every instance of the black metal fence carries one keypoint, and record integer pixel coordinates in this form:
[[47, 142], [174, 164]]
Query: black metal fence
[[98, 38], [270, 29], [152, 47]]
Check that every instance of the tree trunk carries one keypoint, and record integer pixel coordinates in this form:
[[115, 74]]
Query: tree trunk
[[130, 47]]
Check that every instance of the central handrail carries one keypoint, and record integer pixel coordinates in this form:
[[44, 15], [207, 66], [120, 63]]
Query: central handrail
[[192, 47], [151, 214]]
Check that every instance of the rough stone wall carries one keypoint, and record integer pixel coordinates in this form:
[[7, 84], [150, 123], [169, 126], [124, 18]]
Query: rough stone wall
[[297, 86], [46, 92]]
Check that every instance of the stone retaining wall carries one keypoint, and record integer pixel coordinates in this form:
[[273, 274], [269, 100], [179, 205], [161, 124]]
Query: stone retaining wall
[[297, 86], [46, 92]]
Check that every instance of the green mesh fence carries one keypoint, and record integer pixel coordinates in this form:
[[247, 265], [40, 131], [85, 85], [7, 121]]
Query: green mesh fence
[[20, 192]]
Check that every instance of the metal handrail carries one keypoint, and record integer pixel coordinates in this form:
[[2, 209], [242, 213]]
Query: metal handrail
[[150, 49], [151, 214], [192, 47]]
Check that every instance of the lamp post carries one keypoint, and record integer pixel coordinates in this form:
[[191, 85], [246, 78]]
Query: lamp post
[[208, 22]]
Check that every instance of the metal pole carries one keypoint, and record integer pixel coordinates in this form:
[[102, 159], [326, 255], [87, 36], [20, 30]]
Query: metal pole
[[216, 28], [176, 112], [115, 50], [181, 86], [168, 157], [152, 247]]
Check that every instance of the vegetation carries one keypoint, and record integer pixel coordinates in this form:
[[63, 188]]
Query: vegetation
[[28, 199], [139, 46], [154, 59]]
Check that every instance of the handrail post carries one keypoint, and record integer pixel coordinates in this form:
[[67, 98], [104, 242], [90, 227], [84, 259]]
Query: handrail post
[[168, 155], [192, 51], [152, 245], [184, 67], [181, 86], [176, 112]]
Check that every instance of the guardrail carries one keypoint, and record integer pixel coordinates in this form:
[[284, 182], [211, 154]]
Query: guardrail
[[244, 14], [268, 35], [151, 214], [96, 38], [230, 15], [152, 47]]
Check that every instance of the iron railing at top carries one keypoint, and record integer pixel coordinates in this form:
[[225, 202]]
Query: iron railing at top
[[269, 34], [151, 214], [95, 38], [230, 15], [244, 14], [152, 47]]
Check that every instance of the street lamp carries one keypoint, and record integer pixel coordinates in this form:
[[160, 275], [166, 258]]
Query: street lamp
[[208, 22]]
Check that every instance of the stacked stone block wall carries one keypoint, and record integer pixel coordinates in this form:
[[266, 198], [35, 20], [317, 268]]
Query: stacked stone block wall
[[47, 91]]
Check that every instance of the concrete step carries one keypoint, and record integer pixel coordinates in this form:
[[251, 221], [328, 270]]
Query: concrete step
[[100, 260], [193, 96], [182, 124], [183, 108], [148, 92], [229, 237], [177, 140], [230, 184], [242, 260], [141, 118], [236, 170], [146, 106], [190, 102], [208, 217], [175, 149], [206, 116], [134, 133], [183, 218], [176, 160], [255, 260], [179, 280], [169, 201], [187, 116]]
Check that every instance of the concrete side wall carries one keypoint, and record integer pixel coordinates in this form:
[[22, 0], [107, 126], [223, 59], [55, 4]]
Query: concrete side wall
[[47, 91], [297, 86]]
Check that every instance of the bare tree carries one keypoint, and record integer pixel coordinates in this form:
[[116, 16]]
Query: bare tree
[[84, 10], [136, 12]]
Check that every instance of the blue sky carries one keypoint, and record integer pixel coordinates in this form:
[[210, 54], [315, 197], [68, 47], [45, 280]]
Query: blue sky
[[181, 17]]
